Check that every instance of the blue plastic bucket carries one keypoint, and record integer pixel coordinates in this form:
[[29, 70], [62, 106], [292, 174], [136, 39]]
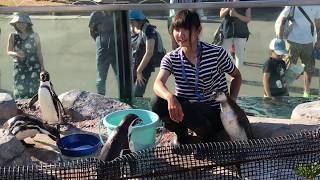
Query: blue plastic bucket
[[143, 135]]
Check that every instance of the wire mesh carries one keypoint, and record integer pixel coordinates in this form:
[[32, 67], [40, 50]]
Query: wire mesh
[[270, 158]]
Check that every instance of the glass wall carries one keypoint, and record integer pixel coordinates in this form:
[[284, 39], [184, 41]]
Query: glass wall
[[69, 51]]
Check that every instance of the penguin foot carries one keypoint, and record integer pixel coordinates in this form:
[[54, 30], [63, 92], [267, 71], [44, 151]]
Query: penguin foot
[[27, 145]]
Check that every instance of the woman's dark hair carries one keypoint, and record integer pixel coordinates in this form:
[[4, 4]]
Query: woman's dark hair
[[186, 19]]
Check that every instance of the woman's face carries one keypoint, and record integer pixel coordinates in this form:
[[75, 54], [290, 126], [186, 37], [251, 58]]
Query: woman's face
[[182, 37], [134, 23], [21, 26]]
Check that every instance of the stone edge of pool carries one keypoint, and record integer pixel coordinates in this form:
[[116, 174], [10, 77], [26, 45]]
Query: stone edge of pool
[[304, 117]]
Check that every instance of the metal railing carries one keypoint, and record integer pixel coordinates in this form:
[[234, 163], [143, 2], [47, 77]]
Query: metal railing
[[157, 6]]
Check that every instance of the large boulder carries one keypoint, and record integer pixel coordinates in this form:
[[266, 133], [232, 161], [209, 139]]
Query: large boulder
[[84, 105], [12, 151], [8, 107], [307, 113]]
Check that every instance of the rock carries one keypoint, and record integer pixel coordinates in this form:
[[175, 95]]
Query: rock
[[84, 105], [307, 113], [12, 151], [274, 127], [8, 107]]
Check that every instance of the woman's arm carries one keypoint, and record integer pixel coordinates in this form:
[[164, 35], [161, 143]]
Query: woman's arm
[[147, 55], [39, 52], [161, 90], [159, 86], [235, 83], [265, 81], [10, 47], [245, 18], [224, 12], [317, 24], [281, 27]]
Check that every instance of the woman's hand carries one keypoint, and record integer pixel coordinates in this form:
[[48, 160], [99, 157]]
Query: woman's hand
[[175, 109], [20, 54], [140, 79]]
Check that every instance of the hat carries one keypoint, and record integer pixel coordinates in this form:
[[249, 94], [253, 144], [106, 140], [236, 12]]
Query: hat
[[278, 46], [20, 17], [136, 15]]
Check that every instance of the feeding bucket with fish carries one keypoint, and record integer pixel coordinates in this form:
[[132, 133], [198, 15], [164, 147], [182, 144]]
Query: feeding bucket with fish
[[144, 134]]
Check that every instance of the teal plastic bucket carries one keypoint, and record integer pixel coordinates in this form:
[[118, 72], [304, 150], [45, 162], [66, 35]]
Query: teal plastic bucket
[[143, 135]]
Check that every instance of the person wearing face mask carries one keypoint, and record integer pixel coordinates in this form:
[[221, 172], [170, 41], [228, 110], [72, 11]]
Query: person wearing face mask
[[25, 49], [199, 70]]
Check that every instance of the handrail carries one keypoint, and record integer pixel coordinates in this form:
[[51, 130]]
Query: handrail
[[157, 6]]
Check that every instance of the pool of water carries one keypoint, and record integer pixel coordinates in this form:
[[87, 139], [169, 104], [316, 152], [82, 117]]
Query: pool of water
[[280, 108], [253, 106]]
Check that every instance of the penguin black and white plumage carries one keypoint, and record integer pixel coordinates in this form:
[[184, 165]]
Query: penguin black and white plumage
[[23, 126], [233, 118], [119, 139], [51, 108]]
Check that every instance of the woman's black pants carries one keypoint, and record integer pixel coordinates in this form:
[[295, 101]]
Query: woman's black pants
[[199, 117]]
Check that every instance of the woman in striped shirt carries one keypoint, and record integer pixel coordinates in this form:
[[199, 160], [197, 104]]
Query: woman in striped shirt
[[199, 70]]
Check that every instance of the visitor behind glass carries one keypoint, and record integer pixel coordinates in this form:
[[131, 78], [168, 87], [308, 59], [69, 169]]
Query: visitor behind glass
[[236, 31], [274, 70], [147, 50], [102, 32], [25, 49], [301, 40]]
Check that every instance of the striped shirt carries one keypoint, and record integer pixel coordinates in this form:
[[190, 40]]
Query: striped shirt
[[214, 63]]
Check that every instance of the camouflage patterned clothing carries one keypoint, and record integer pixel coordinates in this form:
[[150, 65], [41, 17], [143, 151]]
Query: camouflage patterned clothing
[[26, 72]]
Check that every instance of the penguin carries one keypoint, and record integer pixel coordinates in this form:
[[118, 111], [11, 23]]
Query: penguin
[[51, 108], [23, 126], [120, 138], [235, 123], [233, 118]]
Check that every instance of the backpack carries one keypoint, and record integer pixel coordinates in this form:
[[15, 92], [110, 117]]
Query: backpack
[[159, 51]]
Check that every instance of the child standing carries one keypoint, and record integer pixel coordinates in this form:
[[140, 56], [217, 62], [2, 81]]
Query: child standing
[[274, 70]]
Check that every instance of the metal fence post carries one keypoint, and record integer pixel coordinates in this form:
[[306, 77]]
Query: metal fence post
[[123, 51]]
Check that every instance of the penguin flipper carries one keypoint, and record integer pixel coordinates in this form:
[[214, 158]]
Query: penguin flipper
[[33, 100], [58, 105]]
